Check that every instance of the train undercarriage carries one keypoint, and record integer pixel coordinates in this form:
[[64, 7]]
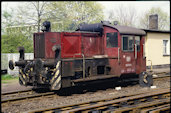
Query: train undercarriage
[[55, 73]]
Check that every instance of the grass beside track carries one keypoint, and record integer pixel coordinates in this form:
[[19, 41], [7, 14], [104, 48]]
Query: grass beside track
[[8, 78]]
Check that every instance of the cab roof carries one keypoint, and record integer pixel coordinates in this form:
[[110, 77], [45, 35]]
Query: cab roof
[[127, 29], [98, 27]]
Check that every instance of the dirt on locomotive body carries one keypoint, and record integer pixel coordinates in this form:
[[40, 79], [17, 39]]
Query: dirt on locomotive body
[[92, 52]]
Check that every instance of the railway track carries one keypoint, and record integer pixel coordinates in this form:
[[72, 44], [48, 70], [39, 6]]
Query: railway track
[[30, 94], [161, 75], [149, 102], [15, 92], [21, 95]]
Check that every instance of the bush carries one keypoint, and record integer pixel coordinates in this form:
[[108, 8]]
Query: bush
[[11, 42], [8, 77]]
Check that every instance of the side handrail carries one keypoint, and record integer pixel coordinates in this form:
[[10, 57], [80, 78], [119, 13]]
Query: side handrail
[[135, 51], [118, 55], [143, 50], [83, 63]]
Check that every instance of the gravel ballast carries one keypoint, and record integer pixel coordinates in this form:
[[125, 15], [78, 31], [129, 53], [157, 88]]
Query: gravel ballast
[[81, 96]]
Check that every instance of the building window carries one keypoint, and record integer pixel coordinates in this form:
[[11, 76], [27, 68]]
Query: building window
[[165, 47], [112, 40], [127, 43]]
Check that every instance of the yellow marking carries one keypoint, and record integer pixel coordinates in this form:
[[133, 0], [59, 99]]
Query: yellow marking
[[57, 72], [22, 80], [20, 71], [53, 69], [55, 75], [59, 78], [22, 74], [31, 69], [56, 67], [58, 64]]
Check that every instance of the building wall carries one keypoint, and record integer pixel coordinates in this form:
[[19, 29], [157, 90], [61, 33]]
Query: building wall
[[154, 48]]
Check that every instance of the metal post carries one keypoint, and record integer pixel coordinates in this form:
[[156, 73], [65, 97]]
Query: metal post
[[118, 54], [151, 67], [83, 65], [135, 51], [143, 51]]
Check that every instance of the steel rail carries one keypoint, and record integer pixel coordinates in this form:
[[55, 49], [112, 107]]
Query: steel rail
[[118, 101], [142, 106], [161, 76], [84, 103], [15, 92], [162, 72], [100, 104], [163, 108], [27, 97]]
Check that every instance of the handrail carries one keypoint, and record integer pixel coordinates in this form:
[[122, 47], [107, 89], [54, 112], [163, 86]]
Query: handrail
[[135, 51], [118, 54], [83, 63], [143, 50]]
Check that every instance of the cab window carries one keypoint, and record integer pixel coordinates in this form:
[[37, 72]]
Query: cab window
[[127, 43], [137, 42], [112, 40]]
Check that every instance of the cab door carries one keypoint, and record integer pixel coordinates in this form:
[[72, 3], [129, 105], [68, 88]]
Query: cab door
[[140, 59], [112, 44], [112, 50], [128, 63]]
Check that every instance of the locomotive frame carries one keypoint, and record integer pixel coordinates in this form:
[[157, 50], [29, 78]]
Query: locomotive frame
[[92, 52]]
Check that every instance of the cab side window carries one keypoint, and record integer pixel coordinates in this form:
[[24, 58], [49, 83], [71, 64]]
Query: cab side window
[[137, 42], [127, 43], [112, 40]]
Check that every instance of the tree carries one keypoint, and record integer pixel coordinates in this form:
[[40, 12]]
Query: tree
[[31, 12], [11, 40], [9, 43], [68, 14], [163, 18], [7, 19], [124, 15], [62, 15], [72, 13]]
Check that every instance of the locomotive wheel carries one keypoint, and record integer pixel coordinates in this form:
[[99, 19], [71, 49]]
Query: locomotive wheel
[[145, 79]]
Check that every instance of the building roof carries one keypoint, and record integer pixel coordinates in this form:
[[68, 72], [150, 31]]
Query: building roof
[[153, 30], [127, 29]]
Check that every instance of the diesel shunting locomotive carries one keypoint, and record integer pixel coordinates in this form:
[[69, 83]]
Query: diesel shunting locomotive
[[91, 52]]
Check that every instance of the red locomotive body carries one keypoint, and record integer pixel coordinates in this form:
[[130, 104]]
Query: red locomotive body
[[93, 51]]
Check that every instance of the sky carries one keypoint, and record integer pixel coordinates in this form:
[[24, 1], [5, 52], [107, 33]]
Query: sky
[[140, 6]]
